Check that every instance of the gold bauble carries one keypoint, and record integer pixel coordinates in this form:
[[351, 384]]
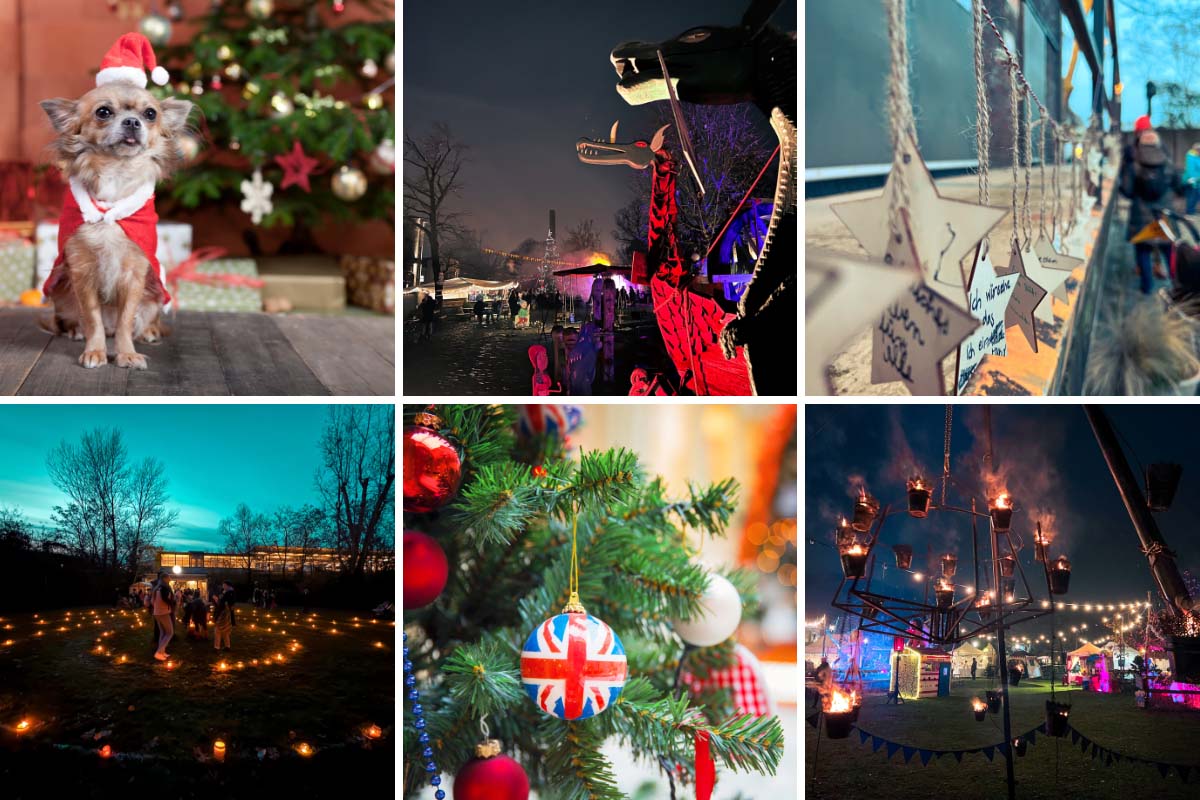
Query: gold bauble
[[224, 52], [374, 101], [260, 9], [156, 28], [251, 90], [281, 105], [348, 183], [234, 71], [189, 147]]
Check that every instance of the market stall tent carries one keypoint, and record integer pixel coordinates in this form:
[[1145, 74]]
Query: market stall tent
[[961, 659]]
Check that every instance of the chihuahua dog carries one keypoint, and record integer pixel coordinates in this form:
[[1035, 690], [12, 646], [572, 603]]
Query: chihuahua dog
[[114, 144]]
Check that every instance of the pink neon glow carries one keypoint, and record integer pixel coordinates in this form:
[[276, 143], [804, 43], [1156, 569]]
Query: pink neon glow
[[1103, 681]]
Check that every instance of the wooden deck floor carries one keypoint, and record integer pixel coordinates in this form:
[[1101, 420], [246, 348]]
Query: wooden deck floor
[[211, 353]]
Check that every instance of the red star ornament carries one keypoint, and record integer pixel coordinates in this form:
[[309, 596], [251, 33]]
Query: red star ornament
[[296, 168]]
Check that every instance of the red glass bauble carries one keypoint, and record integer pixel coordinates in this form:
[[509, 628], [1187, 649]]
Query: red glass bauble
[[425, 569], [495, 778], [432, 469]]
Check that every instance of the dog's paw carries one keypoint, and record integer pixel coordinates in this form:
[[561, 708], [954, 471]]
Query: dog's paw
[[151, 335], [93, 358], [131, 360]]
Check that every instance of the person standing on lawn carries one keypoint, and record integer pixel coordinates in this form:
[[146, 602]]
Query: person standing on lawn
[[223, 620], [974, 666], [162, 606]]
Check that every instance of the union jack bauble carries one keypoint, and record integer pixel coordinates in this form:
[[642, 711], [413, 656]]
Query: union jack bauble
[[573, 666], [548, 418]]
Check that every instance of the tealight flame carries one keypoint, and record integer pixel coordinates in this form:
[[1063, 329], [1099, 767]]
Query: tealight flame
[[222, 666], [105, 751], [24, 725], [304, 749], [379, 644], [373, 732], [840, 702], [170, 665]]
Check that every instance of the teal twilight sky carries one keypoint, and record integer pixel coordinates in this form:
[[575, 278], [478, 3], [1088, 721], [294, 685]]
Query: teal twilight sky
[[215, 456]]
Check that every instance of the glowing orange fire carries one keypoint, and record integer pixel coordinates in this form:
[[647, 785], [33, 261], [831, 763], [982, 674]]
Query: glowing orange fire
[[1003, 500], [978, 704], [917, 483], [856, 550], [840, 702], [944, 585]]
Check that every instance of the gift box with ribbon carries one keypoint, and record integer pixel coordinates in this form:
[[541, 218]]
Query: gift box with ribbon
[[16, 266], [370, 282], [207, 281]]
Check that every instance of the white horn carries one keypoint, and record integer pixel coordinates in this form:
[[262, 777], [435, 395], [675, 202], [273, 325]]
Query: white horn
[[657, 142], [612, 137]]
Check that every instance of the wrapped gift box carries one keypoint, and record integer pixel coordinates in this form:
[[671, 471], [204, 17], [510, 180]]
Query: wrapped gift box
[[370, 282], [174, 246], [192, 295], [308, 283], [16, 267]]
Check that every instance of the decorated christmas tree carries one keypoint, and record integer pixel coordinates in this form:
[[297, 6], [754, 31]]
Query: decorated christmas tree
[[552, 603], [294, 119]]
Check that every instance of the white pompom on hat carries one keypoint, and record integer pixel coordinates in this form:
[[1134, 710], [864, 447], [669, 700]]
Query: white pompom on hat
[[127, 62]]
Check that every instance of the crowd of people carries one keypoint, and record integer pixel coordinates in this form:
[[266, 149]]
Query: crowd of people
[[189, 607]]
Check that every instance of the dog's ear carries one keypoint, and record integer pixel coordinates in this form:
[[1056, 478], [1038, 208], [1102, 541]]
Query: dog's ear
[[63, 114], [175, 113]]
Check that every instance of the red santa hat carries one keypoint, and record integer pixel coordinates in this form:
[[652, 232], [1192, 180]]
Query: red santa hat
[[127, 62], [1142, 123]]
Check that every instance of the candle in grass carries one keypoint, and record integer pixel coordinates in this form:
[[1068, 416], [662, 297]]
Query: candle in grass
[[219, 750], [373, 732], [24, 725], [105, 751], [304, 749]]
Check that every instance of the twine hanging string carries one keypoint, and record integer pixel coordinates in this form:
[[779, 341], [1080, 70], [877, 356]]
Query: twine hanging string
[[1014, 108], [983, 131], [1027, 145], [1042, 234], [899, 105], [1054, 182]]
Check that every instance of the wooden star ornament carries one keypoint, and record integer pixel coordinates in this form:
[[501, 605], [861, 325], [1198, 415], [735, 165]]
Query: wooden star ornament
[[297, 167], [1027, 294], [843, 295], [936, 232], [913, 335], [988, 296], [1051, 259]]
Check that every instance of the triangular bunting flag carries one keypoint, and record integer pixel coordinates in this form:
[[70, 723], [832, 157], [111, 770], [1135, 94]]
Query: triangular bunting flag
[[908, 753], [892, 747], [1074, 736], [1183, 773], [1163, 769], [1085, 743], [1003, 748], [1118, 757], [1041, 728], [876, 743], [1095, 752], [812, 720], [925, 756], [1109, 762], [1032, 735], [989, 752], [958, 756], [863, 736]]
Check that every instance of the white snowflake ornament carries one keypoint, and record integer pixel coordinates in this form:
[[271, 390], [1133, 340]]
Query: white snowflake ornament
[[256, 194]]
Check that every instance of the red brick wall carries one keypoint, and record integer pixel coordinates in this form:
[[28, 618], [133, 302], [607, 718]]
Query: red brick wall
[[52, 48]]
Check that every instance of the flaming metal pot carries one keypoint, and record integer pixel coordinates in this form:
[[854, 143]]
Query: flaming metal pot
[[1056, 718], [1002, 512], [993, 701], [841, 714], [1060, 575], [903, 555], [949, 565], [1007, 566], [1019, 746], [865, 509], [1161, 482], [980, 708], [919, 496]]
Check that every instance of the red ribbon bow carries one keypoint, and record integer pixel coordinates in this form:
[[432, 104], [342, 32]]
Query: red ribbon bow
[[186, 271]]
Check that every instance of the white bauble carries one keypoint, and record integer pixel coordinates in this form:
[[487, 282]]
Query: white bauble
[[718, 616]]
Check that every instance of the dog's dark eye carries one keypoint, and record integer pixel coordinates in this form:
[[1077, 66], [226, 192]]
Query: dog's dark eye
[[103, 112], [151, 114]]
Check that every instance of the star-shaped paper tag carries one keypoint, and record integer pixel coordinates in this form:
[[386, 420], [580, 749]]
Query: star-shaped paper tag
[[988, 295], [1051, 259], [843, 295], [912, 337], [1027, 294], [940, 231], [296, 168]]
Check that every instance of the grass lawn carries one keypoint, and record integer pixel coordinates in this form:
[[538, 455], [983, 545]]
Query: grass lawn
[[1051, 768], [85, 678]]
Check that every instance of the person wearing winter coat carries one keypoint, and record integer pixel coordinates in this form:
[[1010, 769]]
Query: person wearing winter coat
[[1148, 179]]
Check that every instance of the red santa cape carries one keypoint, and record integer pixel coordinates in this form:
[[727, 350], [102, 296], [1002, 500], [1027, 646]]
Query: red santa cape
[[137, 219]]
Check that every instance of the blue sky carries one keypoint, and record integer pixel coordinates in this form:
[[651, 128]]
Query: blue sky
[[215, 457]]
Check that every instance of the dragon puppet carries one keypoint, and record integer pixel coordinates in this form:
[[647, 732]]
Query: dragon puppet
[[710, 65], [691, 314]]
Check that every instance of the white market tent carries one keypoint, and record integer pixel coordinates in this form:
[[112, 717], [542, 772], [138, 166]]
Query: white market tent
[[960, 659], [461, 288]]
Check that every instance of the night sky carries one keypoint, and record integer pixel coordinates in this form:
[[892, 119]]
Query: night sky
[[1054, 469], [521, 82], [215, 457]]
